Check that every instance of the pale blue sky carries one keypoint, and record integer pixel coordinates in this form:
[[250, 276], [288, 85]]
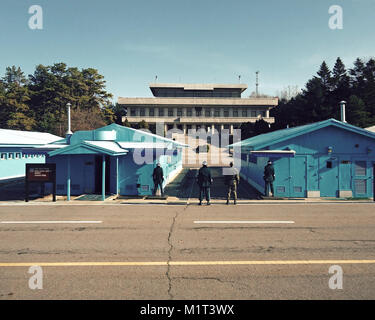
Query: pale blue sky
[[194, 41]]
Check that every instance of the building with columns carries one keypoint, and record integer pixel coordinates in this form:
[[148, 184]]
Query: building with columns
[[197, 106]]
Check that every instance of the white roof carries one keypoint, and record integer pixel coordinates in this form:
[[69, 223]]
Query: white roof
[[109, 145], [372, 129], [145, 145], [273, 151], [16, 137]]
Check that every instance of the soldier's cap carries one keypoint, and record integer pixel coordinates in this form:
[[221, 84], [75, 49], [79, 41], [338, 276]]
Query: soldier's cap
[[204, 163], [269, 162], [158, 164]]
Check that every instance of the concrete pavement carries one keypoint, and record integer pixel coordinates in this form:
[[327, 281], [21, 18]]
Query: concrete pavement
[[321, 235]]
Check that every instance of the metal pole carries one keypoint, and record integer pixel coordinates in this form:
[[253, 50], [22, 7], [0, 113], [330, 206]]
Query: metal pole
[[103, 178], [117, 192], [68, 180]]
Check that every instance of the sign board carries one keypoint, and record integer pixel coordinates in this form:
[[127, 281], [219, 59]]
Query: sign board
[[42, 173]]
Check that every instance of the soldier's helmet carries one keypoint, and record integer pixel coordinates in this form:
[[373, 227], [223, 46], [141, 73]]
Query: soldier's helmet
[[204, 163]]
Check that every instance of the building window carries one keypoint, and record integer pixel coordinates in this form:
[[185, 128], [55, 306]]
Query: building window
[[170, 112], [179, 112], [189, 112], [217, 112], [151, 112], [18, 155], [3, 156], [226, 112], [10, 156], [142, 112], [161, 112], [253, 114], [133, 112], [235, 112], [263, 114], [244, 113], [207, 112], [198, 111]]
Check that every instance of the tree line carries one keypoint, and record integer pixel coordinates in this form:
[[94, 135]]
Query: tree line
[[320, 99], [38, 102]]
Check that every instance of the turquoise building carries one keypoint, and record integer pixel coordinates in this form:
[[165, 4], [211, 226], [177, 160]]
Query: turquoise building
[[12, 157], [324, 159], [112, 160]]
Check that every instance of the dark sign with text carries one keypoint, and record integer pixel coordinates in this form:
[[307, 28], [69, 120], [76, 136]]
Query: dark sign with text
[[42, 173]]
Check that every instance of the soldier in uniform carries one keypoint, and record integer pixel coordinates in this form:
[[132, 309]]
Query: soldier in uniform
[[269, 178], [232, 180], [204, 181], [158, 177]]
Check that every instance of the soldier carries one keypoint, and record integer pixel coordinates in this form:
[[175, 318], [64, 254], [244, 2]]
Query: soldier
[[204, 181], [269, 178], [231, 181], [158, 177]]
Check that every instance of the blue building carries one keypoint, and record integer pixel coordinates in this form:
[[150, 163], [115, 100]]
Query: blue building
[[12, 157], [324, 159], [112, 160]]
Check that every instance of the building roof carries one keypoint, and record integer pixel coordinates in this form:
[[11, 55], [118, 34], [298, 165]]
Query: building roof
[[198, 86], [91, 147], [271, 138], [261, 102], [372, 129], [25, 138]]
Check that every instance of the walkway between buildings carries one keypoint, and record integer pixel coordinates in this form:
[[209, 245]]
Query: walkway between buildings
[[184, 186]]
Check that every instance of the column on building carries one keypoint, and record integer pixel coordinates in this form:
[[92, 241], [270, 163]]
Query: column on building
[[267, 113]]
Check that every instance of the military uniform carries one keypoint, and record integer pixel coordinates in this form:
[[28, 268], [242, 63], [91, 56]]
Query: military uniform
[[204, 180], [269, 178], [231, 182], [158, 177]]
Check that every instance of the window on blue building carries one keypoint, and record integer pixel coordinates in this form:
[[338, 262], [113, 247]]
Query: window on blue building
[[3, 156]]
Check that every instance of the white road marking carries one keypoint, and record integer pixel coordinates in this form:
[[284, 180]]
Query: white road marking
[[48, 222], [249, 222]]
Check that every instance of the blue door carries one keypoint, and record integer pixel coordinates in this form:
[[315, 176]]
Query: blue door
[[328, 176], [282, 177], [298, 177], [361, 178]]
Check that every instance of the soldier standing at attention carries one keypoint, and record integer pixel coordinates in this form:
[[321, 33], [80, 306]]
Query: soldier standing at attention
[[232, 180], [158, 177], [269, 178], [204, 181]]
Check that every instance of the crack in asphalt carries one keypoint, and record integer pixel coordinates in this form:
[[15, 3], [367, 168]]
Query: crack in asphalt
[[171, 230]]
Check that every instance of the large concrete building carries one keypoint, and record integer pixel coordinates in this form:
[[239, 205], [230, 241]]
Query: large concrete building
[[196, 106]]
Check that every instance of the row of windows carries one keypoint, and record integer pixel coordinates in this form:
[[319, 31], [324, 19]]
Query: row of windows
[[18, 155], [199, 112]]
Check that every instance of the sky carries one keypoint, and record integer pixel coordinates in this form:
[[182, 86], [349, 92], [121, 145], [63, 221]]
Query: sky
[[189, 41]]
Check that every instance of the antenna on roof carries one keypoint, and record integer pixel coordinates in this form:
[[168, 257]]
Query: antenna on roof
[[239, 78], [257, 83], [156, 78]]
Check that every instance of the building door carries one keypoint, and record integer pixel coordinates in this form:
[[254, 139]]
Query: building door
[[361, 179], [98, 174], [328, 176], [298, 177], [282, 177]]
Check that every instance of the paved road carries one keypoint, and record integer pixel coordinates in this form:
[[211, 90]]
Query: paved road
[[168, 235]]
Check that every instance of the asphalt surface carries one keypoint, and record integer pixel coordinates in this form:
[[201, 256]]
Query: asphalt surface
[[321, 235]]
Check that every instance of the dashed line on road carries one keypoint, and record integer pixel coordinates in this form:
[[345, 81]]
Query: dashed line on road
[[49, 222], [181, 263], [245, 222]]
